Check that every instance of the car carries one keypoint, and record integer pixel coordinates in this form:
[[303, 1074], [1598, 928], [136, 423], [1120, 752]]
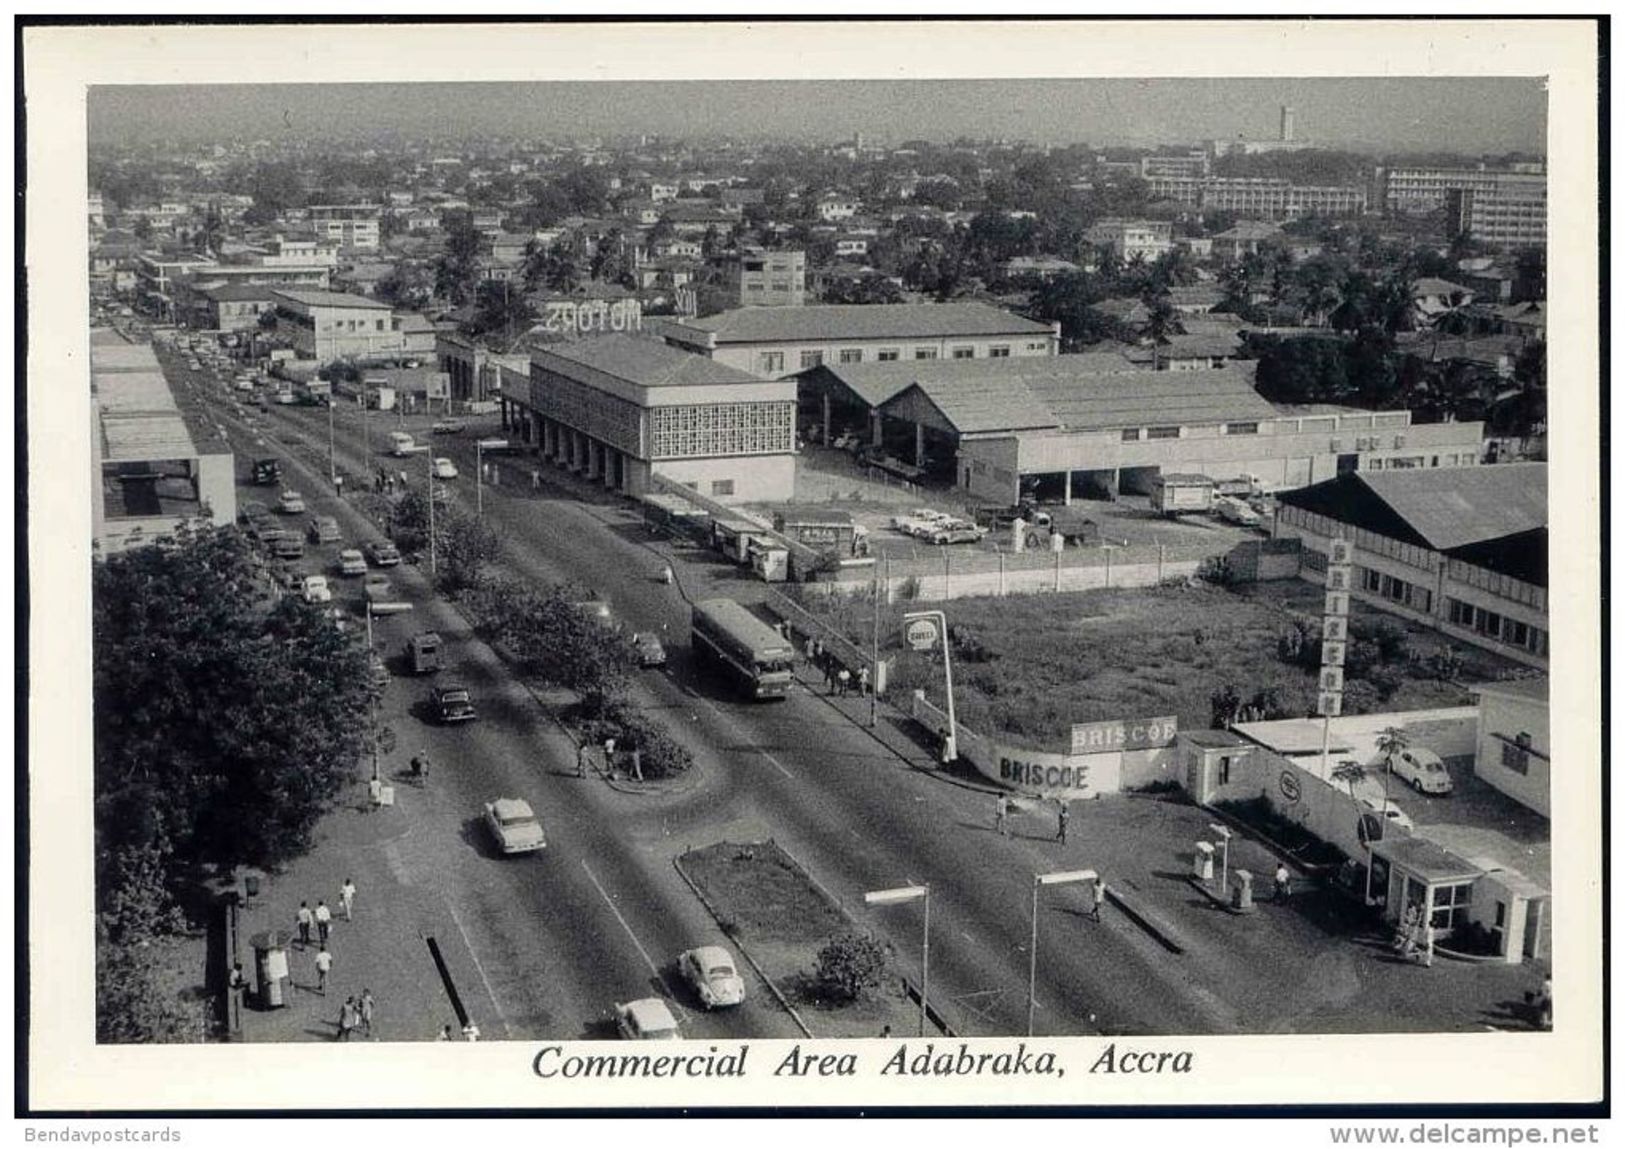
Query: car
[[1389, 810], [324, 529], [383, 554], [288, 545], [452, 704], [647, 1019], [352, 563], [712, 973], [244, 384], [445, 469], [291, 503], [315, 589], [251, 513], [957, 532], [514, 826], [379, 592], [648, 650], [377, 672], [446, 427], [1237, 512], [1424, 770]]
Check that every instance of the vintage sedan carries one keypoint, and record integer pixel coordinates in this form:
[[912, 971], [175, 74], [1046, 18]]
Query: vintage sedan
[[514, 826], [383, 554], [647, 1019], [647, 648], [291, 503], [452, 704], [712, 973], [352, 563]]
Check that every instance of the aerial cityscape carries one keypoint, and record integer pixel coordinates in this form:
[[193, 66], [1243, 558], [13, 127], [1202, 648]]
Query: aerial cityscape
[[933, 561]]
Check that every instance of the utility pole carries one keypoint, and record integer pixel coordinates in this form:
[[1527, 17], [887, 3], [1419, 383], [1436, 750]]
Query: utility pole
[[874, 658]]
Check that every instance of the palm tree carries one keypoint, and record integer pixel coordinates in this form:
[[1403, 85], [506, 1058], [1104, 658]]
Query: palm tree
[[1390, 742], [1454, 320]]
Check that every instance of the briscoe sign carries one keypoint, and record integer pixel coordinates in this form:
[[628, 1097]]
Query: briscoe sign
[[1140, 734]]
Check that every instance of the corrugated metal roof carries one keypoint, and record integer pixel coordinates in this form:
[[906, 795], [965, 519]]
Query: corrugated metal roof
[[330, 299], [860, 321], [145, 435], [645, 362], [1455, 506], [1112, 400], [974, 404], [875, 383]]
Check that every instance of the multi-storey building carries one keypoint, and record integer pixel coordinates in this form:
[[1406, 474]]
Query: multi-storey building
[[772, 342], [772, 278], [626, 410], [1191, 165], [1133, 238], [329, 325], [1510, 216], [1418, 191], [348, 225], [1258, 197]]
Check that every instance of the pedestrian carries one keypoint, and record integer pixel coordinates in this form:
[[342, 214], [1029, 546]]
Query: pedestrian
[[1061, 819], [347, 898], [885, 1031], [365, 1006], [338, 485], [863, 680], [828, 669], [535, 479], [445, 1033], [304, 918], [1283, 883], [347, 1019], [843, 679], [238, 981], [810, 648], [998, 815], [818, 653], [324, 921], [471, 1032], [581, 760], [324, 966], [1099, 899]]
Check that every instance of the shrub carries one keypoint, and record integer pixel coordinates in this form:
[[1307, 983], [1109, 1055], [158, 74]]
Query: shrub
[[849, 967]]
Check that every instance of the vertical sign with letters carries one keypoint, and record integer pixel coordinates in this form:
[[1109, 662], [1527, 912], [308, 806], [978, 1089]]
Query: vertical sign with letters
[[1334, 627]]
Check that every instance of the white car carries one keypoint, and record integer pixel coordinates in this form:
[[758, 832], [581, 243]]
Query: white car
[[712, 973], [1424, 770], [1389, 811], [514, 826], [647, 1019], [445, 469], [291, 503], [352, 563], [315, 589], [1237, 512]]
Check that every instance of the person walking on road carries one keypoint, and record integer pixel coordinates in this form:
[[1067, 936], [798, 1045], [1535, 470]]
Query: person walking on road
[[347, 898], [445, 1033], [999, 810], [581, 760], [304, 919], [324, 921], [1061, 819], [347, 1019], [843, 680], [364, 1006], [863, 680], [1283, 883], [1099, 899], [324, 966]]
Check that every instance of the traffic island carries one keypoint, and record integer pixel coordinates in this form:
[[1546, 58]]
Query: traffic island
[[780, 920]]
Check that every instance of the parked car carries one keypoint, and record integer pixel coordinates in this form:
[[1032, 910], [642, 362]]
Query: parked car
[[380, 594], [514, 826], [315, 589], [377, 672], [446, 427], [324, 529], [445, 469], [288, 545], [383, 554], [957, 531], [352, 563], [1424, 770], [452, 704], [1237, 512], [291, 503], [648, 1019], [648, 649], [711, 971], [1389, 811]]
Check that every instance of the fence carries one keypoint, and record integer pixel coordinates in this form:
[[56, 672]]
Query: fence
[[845, 650]]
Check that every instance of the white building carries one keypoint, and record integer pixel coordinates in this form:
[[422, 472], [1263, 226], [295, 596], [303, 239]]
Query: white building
[[1515, 741]]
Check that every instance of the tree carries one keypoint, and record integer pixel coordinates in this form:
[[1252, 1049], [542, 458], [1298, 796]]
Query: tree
[[455, 269], [1390, 742], [862, 289], [849, 966], [1162, 322], [561, 271], [131, 1004], [408, 286], [227, 721], [500, 306]]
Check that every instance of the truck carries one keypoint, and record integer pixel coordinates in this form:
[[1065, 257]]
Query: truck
[[1181, 495], [756, 657]]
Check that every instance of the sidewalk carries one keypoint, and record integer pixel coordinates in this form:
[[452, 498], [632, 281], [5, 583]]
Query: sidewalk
[[383, 949]]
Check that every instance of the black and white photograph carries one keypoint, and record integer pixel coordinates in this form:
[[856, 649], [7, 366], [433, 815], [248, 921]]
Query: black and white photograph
[[1010, 575]]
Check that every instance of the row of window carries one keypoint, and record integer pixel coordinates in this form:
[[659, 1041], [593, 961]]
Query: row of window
[[1136, 434], [1396, 590], [1500, 585], [1497, 627], [703, 430]]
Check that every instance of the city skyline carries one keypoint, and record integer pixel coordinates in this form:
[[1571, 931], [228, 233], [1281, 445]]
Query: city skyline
[[1467, 115]]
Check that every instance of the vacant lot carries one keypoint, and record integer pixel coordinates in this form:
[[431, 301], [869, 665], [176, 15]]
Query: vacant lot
[[1031, 666]]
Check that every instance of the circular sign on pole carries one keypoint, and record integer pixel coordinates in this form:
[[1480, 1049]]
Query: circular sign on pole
[[921, 633], [1290, 789]]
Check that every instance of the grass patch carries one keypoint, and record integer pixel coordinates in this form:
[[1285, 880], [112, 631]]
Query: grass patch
[[759, 893]]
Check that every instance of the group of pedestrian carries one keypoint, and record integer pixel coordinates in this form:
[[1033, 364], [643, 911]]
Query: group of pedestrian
[[838, 678], [1413, 937], [321, 920], [383, 483], [354, 1014]]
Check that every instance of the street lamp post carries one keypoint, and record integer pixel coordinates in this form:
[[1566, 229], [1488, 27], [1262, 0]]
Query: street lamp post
[[332, 458], [939, 624], [1058, 878], [1223, 833], [897, 896], [480, 447]]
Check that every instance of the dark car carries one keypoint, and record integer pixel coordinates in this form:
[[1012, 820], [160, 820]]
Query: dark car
[[452, 704], [288, 546], [267, 472]]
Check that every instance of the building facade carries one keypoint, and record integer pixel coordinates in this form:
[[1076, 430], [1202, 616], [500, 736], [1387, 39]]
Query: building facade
[[1515, 741], [352, 226], [1259, 198], [328, 325], [1130, 239], [623, 410]]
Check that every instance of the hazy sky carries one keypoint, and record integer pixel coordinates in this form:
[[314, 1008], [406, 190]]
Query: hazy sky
[[1463, 115]]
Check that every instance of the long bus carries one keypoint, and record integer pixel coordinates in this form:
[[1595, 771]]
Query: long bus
[[757, 657]]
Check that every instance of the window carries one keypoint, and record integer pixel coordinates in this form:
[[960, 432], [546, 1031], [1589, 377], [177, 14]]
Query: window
[[811, 359], [964, 353], [380, 325], [1162, 433], [887, 355], [851, 355], [1131, 434], [1000, 351], [1224, 770], [1515, 753], [925, 353], [1450, 903], [769, 362], [1241, 428], [722, 486]]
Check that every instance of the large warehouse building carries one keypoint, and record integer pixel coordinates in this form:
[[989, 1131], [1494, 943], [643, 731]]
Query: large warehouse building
[[621, 409], [1076, 423]]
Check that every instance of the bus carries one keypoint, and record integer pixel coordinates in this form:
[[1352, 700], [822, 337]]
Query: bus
[[755, 655]]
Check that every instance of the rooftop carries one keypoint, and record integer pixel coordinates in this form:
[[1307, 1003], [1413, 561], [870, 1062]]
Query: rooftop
[[857, 321], [330, 299], [644, 362]]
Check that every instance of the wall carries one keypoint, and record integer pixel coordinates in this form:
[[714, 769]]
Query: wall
[[966, 574], [1501, 719], [217, 487], [745, 356], [756, 478]]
